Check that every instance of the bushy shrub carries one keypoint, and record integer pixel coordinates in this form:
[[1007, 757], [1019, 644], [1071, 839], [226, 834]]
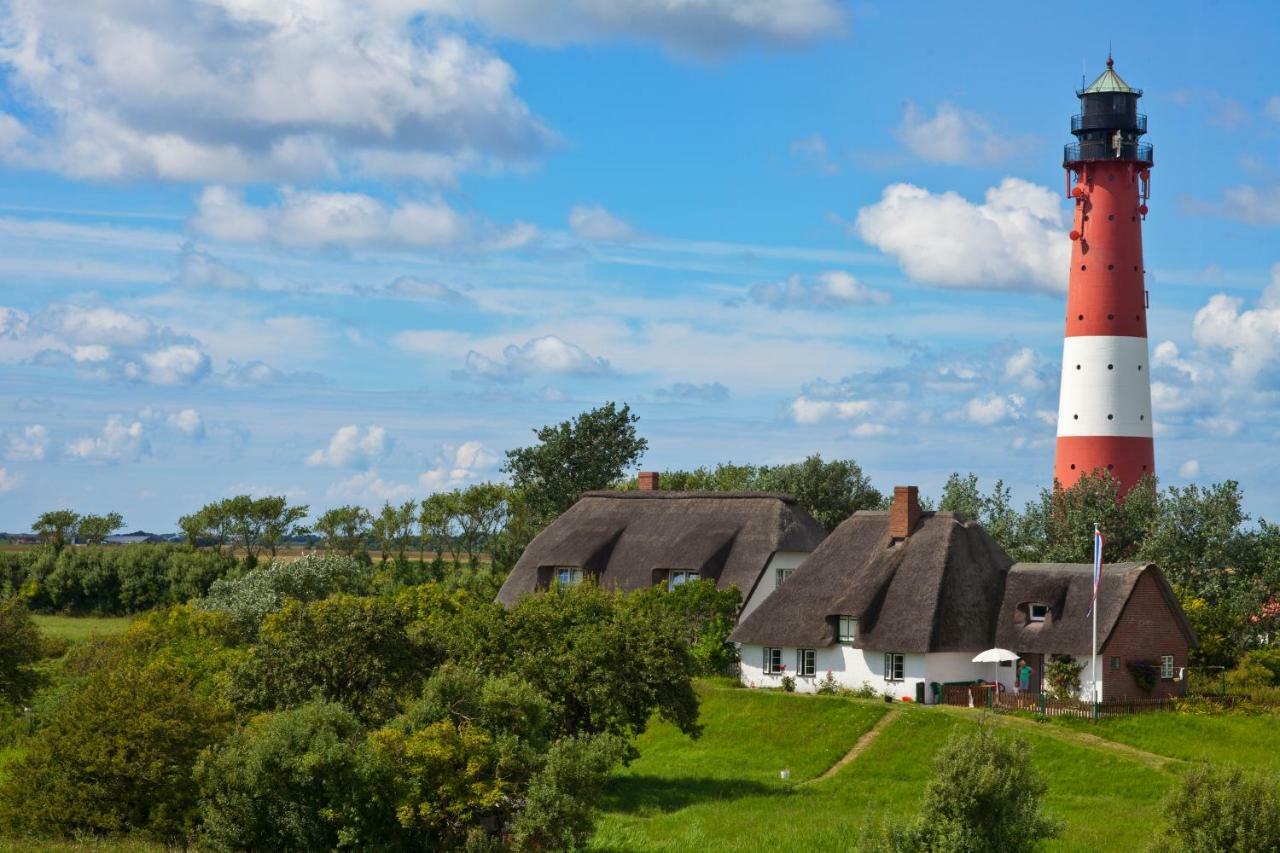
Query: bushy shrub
[[1222, 809], [562, 800], [708, 616], [984, 795], [20, 649], [345, 649], [301, 779], [1249, 676], [264, 589], [1062, 673], [116, 755]]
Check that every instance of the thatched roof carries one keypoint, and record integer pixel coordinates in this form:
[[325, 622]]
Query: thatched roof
[[937, 590], [626, 539], [1067, 589]]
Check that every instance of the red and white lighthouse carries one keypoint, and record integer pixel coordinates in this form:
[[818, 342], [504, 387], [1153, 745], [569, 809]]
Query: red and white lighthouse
[[1104, 408]]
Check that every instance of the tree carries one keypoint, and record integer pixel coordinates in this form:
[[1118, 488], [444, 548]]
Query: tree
[[95, 529], [344, 529], [482, 510], [1216, 809], [20, 651], [263, 590], [829, 491], [58, 527], [435, 525], [343, 649], [277, 521], [115, 756], [302, 779], [589, 452], [393, 528], [984, 795], [213, 522], [1062, 520]]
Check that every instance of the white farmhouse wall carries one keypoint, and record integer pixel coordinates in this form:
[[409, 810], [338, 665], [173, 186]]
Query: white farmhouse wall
[[769, 579], [852, 668]]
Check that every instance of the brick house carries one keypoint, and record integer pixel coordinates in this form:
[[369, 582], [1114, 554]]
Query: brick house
[[903, 600]]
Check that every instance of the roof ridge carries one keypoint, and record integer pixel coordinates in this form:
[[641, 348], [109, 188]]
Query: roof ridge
[[672, 494]]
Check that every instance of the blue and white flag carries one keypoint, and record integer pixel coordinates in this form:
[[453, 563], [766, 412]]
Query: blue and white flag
[[1097, 567]]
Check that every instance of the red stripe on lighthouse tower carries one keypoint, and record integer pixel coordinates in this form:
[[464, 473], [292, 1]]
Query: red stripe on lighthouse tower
[[1104, 408]]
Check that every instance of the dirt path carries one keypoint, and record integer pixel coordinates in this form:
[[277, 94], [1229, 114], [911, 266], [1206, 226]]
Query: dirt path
[[868, 737], [1161, 763]]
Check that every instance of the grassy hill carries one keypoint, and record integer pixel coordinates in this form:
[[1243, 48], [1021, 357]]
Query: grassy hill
[[724, 793]]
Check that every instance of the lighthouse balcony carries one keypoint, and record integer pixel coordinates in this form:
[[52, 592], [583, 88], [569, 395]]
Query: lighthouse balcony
[[1109, 121], [1099, 149]]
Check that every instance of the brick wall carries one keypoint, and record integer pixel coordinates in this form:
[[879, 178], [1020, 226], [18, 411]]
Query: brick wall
[[1148, 628]]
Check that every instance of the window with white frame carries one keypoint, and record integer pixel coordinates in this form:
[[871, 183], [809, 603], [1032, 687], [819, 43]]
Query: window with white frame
[[1166, 666], [1115, 662], [783, 574], [568, 576], [847, 630], [773, 661], [895, 666], [806, 662], [678, 577], [1038, 612]]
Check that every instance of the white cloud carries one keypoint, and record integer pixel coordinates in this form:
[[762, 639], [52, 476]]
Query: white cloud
[[1014, 240], [994, 409], [187, 421], [813, 151], [458, 466], [350, 448], [368, 487], [97, 325], [1024, 367], [201, 269], [174, 365], [593, 222], [407, 287], [1248, 204], [708, 392], [1189, 469], [870, 430], [253, 91], [1251, 337], [259, 373], [13, 322], [1219, 426], [310, 219], [8, 482], [688, 27], [956, 137], [1272, 108], [826, 290], [30, 445], [540, 356], [806, 410], [118, 440]]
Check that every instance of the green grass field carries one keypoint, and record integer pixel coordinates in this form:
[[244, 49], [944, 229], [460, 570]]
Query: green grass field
[[722, 793], [77, 628]]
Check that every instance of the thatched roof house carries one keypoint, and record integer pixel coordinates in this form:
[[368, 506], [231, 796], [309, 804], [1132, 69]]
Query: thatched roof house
[[632, 540], [905, 599]]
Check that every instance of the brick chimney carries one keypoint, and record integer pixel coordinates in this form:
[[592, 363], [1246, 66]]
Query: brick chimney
[[647, 481], [905, 512]]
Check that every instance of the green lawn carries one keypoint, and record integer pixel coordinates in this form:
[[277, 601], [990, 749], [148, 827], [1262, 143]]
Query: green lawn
[[723, 793], [1223, 739], [77, 628]]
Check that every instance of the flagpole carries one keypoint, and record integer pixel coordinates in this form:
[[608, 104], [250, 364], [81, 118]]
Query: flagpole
[[1093, 664]]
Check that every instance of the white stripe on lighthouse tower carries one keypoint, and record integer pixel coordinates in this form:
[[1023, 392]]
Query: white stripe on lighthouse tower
[[1105, 391]]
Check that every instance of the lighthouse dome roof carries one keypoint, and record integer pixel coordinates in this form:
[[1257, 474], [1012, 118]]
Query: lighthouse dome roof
[[1109, 81]]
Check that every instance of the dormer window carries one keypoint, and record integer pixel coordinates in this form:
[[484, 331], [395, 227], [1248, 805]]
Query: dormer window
[[1037, 612], [568, 576], [847, 629], [676, 578]]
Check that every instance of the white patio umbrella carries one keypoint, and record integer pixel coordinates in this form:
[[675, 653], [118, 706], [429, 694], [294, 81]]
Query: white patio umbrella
[[996, 656]]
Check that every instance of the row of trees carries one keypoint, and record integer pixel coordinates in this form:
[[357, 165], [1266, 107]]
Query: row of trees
[[62, 526]]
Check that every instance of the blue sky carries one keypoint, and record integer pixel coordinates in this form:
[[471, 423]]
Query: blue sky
[[352, 252]]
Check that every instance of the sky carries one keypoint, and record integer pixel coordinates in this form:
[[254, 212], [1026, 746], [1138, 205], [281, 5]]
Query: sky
[[352, 252]]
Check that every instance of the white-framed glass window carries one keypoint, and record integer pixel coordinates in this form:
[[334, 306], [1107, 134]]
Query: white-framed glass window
[[568, 576], [895, 666], [1166, 666], [782, 575], [847, 630], [1039, 612], [678, 577], [806, 661], [1115, 662], [773, 661]]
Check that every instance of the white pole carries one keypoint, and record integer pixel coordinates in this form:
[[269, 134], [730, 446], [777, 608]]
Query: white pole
[[1093, 663]]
